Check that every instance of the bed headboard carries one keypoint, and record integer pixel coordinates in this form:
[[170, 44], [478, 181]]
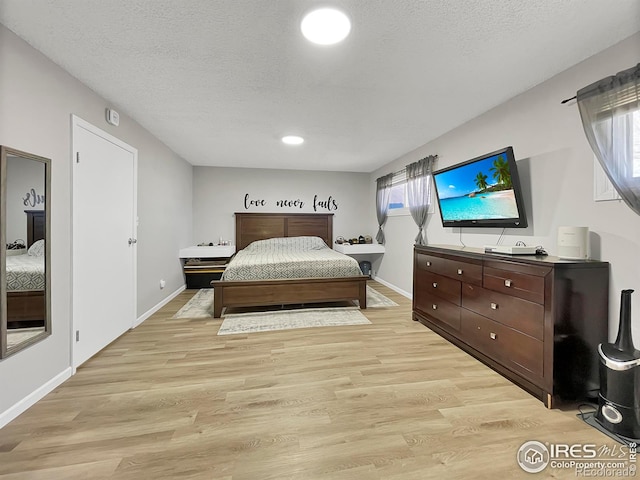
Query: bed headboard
[[36, 223], [260, 226]]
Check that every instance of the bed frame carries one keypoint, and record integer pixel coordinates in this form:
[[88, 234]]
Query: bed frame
[[259, 226], [27, 308]]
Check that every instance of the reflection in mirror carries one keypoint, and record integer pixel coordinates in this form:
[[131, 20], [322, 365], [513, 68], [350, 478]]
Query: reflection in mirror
[[25, 259]]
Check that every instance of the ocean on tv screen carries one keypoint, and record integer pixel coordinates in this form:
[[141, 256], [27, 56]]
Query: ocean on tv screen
[[481, 206]]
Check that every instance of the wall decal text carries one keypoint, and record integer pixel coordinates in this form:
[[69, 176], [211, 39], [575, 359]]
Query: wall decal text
[[328, 204], [290, 203], [319, 204], [248, 203], [31, 199]]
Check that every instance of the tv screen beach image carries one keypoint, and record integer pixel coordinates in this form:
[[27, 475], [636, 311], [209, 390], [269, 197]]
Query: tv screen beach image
[[480, 190]]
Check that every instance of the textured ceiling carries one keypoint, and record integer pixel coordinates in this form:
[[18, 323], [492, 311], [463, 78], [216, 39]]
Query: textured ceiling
[[220, 81]]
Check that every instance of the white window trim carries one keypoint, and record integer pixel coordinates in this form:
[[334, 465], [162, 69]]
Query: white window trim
[[602, 188]]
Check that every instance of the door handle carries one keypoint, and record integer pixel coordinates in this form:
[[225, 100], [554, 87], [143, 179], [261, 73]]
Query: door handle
[[132, 241]]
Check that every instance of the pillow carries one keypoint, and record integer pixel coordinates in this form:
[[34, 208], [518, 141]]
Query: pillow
[[37, 249], [299, 244]]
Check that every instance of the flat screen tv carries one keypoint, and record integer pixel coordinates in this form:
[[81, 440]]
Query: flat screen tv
[[481, 192]]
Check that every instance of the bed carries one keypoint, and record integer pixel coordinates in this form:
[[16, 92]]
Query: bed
[[25, 277], [297, 289]]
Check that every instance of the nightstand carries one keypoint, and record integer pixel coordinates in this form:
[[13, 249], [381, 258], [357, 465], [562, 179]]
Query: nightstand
[[361, 251], [359, 248], [205, 263]]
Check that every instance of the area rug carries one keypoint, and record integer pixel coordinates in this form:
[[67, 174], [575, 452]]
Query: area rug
[[253, 322], [201, 304], [19, 335], [377, 300]]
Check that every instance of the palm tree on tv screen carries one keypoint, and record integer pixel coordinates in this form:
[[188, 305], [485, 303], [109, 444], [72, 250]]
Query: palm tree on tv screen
[[501, 172], [481, 181]]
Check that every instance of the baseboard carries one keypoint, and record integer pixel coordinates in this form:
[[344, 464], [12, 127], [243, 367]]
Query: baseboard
[[394, 288], [27, 402], [158, 306]]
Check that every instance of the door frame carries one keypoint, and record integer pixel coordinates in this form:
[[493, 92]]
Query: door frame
[[79, 123]]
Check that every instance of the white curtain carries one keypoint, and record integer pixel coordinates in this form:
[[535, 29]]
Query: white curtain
[[419, 193], [610, 112], [383, 192]]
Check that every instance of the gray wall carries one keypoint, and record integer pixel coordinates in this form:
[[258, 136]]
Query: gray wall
[[23, 176], [37, 99], [556, 168], [219, 192]]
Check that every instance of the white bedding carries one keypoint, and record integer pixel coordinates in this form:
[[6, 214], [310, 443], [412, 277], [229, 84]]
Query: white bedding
[[292, 257], [25, 272]]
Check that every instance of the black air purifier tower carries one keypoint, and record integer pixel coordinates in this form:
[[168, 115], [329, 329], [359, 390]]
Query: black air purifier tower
[[619, 398]]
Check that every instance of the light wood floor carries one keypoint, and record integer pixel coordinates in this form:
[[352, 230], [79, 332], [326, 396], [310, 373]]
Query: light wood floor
[[391, 400]]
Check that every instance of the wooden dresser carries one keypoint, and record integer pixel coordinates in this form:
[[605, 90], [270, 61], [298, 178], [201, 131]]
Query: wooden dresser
[[537, 320]]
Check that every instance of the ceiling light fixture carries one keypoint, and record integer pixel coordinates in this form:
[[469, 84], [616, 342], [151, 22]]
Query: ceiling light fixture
[[292, 140], [325, 26]]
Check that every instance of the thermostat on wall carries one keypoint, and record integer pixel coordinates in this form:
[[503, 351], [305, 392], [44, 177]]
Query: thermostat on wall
[[113, 117]]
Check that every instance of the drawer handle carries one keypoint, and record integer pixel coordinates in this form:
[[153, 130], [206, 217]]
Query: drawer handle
[[459, 271], [507, 283], [493, 336], [434, 307], [494, 306], [428, 264], [435, 284]]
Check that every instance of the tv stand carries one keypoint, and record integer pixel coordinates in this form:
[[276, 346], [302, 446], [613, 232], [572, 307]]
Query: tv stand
[[537, 320]]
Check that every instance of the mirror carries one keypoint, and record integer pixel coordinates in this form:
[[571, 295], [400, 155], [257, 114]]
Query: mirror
[[25, 250]]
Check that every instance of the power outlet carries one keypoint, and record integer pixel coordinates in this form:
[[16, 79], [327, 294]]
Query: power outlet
[[162, 284]]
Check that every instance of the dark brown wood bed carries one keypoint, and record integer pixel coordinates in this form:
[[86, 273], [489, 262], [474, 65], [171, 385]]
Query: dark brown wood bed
[[260, 226], [27, 308]]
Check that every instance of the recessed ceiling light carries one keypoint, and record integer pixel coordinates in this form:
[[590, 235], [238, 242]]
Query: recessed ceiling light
[[292, 140], [325, 26]]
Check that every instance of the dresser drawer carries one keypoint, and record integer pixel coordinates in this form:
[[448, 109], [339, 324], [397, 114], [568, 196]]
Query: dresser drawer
[[527, 284], [443, 287], [522, 315], [466, 271], [445, 313], [513, 349]]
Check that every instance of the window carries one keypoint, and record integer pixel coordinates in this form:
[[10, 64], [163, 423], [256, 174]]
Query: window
[[398, 200], [602, 188], [610, 112], [636, 144], [398, 197]]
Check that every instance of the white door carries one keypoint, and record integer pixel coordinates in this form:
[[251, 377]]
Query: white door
[[104, 239]]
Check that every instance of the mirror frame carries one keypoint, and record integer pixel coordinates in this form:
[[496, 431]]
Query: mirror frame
[[4, 153]]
